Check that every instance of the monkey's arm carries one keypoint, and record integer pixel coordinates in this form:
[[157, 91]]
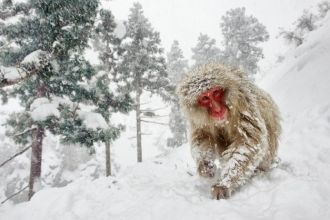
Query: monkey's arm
[[203, 152], [242, 157]]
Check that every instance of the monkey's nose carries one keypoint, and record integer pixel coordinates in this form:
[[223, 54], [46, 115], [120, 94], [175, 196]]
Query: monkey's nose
[[216, 106]]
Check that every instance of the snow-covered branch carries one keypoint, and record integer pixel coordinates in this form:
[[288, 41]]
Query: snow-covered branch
[[30, 65], [24, 132], [12, 12]]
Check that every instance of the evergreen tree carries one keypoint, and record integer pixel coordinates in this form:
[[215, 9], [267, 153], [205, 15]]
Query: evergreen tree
[[242, 34], [176, 64], [51, 79], [176, 67], [292, 37], [178, 127], [108, 45], [303, 25], [323, 8], [306, 22], [143, 64], [205, 51]]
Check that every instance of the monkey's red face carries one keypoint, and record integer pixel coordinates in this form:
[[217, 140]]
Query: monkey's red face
[[213, 100]]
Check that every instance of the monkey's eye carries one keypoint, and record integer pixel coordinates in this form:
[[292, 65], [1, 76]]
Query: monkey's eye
[[204, 100], [217, 95]]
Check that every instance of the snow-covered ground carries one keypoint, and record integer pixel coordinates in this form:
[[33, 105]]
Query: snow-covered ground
[[167, 187]]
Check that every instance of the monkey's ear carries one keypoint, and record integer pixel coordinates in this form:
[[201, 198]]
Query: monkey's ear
[[239, 73], [182, 90]]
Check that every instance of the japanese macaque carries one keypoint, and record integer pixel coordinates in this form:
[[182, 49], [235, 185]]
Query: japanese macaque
[[232, 120]]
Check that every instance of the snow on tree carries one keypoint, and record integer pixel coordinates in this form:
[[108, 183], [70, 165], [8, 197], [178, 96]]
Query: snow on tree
[[142, 65], [304, 24], [178, 127], [292, 37], [176, 64], [242, 33], [323, 8], [108, 45], [176, 67], [205, 50], [106, 40], [8, 9], [46, 45]]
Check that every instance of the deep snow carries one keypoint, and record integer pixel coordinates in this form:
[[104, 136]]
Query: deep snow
[[167, 187]]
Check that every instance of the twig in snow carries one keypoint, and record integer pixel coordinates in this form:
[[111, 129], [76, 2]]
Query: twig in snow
[[15, 155], [14, 194]]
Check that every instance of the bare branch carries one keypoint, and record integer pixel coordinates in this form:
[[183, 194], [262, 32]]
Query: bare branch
[[155, 116], [152, 110], [133, 137], [154, 122], [143, 103], [15, 155], [15, 194]]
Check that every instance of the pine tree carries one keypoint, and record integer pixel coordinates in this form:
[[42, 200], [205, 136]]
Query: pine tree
[[43, 61], [205, 51], [303, 25], [176, 67], [108, 45], [292, 36], [323, 8], [176, 64], [306, 22], [142, 64], [242, 34]]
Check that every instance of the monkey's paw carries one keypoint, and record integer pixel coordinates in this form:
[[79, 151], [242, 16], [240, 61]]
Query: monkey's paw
[[206, 168], [220, 192]]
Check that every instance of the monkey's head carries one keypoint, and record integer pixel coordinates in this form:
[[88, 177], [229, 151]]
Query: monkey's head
[[213, 101], [208, 93]]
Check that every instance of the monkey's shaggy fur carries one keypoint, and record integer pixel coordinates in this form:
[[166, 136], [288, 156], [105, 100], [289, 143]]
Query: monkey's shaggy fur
[[248, 137]]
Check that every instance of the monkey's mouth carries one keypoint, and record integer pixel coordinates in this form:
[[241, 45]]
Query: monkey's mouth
[[219, 114]]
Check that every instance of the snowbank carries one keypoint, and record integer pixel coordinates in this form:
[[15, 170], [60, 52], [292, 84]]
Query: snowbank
[[302, 80]]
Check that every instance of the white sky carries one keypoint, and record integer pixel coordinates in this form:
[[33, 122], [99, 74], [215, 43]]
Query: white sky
[[183, 20]]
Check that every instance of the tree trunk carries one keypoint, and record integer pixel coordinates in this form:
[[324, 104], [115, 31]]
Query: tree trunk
[[36, 157], [107, 143], [36, 153], [138, 122], [107, 158]]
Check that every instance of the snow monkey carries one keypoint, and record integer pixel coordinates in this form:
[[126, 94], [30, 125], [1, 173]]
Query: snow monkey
[[230, 119]]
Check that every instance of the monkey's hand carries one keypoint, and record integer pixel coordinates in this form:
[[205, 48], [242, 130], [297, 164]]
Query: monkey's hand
[[206, 168], [220, 192]]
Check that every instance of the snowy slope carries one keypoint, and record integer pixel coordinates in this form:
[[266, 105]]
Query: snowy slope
[[166, 187], [304, 74]]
